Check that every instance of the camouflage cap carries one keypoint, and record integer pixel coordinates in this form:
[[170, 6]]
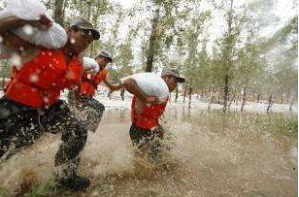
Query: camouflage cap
[[81, 23], [106, 55], [174, 73]]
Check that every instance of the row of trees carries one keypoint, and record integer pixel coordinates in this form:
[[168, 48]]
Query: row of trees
[[228, 50]]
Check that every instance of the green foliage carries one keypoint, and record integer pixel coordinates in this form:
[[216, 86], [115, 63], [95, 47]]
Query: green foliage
[[47, 188], [278, 126], [3, 192], [185, 40], [123, 66], [5, 69]]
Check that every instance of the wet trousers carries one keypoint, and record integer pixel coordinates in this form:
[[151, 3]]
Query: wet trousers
[[21, 126]]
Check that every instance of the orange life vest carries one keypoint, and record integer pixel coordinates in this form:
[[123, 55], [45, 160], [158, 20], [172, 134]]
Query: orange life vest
[[149, 116], [90, 83], [39, 82]]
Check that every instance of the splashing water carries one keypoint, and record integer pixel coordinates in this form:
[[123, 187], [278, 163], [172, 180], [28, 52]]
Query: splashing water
[[28, 29], [210, 155], [73, 41], [16, 60], [33, 78]]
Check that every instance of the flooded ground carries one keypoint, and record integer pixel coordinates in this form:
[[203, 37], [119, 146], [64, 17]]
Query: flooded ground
[[240, 154]]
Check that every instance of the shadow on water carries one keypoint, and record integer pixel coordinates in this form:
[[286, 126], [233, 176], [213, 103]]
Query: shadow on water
[[211, 154]]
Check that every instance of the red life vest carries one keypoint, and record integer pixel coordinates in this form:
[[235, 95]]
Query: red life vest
[[90, 83], [39, 82], [149, 117]]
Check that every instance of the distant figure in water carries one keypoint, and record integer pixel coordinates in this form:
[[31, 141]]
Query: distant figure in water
[[146, 110], [91, 110]]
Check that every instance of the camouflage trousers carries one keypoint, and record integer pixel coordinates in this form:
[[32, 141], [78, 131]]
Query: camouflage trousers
[[21, 126], [149, 142], [88, 110]]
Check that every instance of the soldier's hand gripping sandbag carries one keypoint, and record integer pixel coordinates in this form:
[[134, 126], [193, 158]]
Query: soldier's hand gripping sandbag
[[40, 30]]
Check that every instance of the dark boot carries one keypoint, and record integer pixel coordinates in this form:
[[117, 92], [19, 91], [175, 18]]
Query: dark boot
[[68, 178], [73, 182]]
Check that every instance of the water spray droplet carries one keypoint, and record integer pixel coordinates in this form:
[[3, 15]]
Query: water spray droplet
[[28, 29], [34, 78]]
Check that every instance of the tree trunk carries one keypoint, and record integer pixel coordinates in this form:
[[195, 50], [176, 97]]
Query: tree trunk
[[176, 94], [152, 41], [244, 99], [65, 5], [190, 97], [89, 16], [58, 11], [109, 94], [231, 101], [228, 63], [184, 99], [226, 93], [291, 105], [122, 94], [270, 100], [258, 98], [202, 94]]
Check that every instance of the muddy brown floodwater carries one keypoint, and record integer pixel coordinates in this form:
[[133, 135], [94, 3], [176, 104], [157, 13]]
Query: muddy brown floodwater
[[211, 155]]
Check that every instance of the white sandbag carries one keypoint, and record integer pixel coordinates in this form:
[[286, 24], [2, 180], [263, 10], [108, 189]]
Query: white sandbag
[[54, 37], [26, 9], [90, 64], [5, 13], [151, 84]]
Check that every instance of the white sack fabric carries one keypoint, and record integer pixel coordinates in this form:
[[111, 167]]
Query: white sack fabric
[[151, 84]]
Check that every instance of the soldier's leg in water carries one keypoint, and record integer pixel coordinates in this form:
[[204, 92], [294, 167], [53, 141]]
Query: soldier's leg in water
[[71, 98], [158, 147], [95, 118], [18, 127], [91, 113], [74, 136], [100, 108], [139, 136], [148, 141]]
